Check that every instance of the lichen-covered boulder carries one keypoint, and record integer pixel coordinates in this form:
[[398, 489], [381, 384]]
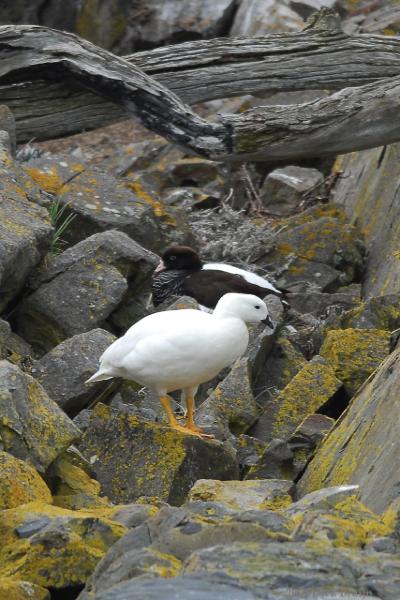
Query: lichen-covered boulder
[[20, 483], [313, 386], [11, 589], [231, 407], [32, 426], [244, 495], [284, 189], [82, 287], [25, 233], [62, 372], [363, 447], [354, 354], [133, 458], [317, 250], [51, 546]]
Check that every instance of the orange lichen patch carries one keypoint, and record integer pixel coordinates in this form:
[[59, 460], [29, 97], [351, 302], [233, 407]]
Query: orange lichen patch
[[158, 207], [20, 483], [47, 179]]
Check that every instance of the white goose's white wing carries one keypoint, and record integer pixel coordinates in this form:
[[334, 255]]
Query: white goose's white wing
[[247, 275]]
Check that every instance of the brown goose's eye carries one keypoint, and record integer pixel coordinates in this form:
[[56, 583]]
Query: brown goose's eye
[[172, 258]]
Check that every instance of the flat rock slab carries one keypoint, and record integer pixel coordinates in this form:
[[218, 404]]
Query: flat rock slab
[[62, 372], [133, 458], [354, 354], [271, 568], [176, 589], [363, 448], [82, 287], [32, 426], [244, 495]]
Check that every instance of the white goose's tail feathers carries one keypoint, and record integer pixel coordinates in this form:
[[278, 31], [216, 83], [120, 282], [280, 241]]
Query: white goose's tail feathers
[[100, 376]]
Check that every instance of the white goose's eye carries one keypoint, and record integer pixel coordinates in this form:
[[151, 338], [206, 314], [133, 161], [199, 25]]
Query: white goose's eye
[[257, 307]]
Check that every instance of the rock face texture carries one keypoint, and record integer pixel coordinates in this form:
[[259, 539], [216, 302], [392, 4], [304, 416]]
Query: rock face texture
[[367, 189], [363, 446]]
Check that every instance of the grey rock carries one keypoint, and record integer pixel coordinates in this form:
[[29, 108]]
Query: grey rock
[[32, 426], [82, 287], [25, 233], [248, 450], [284, 189], [322, 304], [306, 7], [349, 454], [176, 589], [276, 462], [173, 22], [258, 17], [133, 458], [63, 371], [382, 312], [275, 570], [133, 515]]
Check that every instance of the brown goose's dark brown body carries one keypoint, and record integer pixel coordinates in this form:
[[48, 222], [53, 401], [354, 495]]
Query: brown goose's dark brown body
[[180, 273]]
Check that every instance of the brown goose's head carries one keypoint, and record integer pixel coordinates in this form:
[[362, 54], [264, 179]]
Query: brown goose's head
[[179, 258]]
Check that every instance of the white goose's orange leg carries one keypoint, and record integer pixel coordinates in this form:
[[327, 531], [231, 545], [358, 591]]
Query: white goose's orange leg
[[190, 424], [173, 423]]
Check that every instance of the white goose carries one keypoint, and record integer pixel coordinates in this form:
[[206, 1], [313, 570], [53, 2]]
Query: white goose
[[179, 349]]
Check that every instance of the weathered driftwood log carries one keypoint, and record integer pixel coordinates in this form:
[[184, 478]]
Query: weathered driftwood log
[[320, 57], [348, 120]]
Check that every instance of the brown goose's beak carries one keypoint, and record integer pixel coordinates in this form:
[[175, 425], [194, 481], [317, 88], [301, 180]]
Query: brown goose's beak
[[160, 267], [268, 321]]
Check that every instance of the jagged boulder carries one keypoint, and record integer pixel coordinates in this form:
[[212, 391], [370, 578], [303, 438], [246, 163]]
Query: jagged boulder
[[363, 447], [354, 354], [284, 189], [82, 287], [32, 426], [133, 458], [313, 386], [20, 483], [62, 372]]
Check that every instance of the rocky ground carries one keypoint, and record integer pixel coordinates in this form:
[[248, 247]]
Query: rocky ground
[[298, 495]]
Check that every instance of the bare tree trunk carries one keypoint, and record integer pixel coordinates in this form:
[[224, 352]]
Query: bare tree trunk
[[355, 118]]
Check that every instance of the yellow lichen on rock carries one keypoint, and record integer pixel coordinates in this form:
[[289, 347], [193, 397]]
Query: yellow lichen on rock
[[20, 483], [21, 590], [355, 353], [47, 179], [242, 495], [58, 548]]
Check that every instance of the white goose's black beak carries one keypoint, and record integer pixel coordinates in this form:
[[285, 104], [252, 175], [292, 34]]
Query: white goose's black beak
[[268, 321]]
